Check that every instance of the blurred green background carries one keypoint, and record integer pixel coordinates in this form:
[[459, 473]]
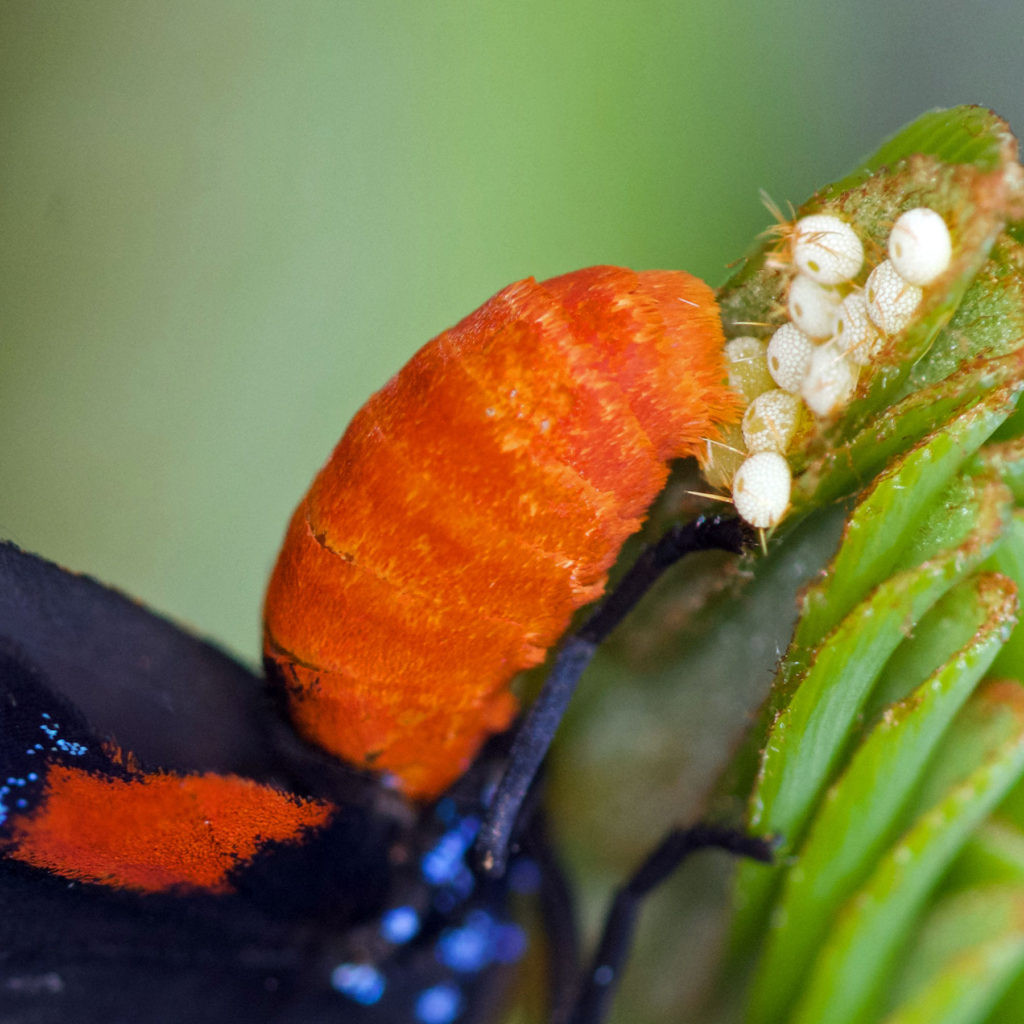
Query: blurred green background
[[223, 224]]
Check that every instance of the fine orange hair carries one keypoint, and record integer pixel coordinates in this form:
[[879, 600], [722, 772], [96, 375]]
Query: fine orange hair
[[475, 502]]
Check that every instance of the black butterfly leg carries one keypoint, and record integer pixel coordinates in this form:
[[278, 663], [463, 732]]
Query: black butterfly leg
[[540, 723], [558, 910], [599, 983]]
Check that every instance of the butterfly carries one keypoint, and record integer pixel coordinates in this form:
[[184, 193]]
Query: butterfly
[[183, 838]]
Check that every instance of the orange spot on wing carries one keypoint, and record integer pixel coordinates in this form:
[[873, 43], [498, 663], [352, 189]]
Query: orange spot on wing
[[157, 831]]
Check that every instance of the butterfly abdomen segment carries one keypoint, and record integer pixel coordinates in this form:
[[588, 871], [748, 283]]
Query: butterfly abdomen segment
[[476, 502]]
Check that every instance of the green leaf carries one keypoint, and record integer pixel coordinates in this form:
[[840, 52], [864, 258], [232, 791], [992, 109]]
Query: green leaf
[[956, 135], [890, 514], [963, 958], [850, 465], [995, 853], [1007, 459], [861, 951], [858, 815], [831, 694], [876, 540], [988, 322], [807, 737], [951, 624], [1008, 558]]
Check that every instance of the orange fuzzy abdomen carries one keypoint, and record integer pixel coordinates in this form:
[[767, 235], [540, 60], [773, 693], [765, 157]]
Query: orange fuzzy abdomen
[[478, 500]]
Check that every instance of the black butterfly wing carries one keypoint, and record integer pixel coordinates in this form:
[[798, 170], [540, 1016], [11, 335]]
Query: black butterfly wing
[[175, 700], [292, 934]]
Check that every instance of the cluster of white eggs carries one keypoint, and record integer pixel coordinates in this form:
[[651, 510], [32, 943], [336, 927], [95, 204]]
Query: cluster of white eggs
[[835, 327]]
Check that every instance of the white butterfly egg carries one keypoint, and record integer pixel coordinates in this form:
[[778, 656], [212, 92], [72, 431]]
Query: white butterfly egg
[[789, 355], [770, 421], [826, 249], [812, 307], [761, 489], [830, 381], [746, 363], [891, 300], [919, 246], [856, 336]]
